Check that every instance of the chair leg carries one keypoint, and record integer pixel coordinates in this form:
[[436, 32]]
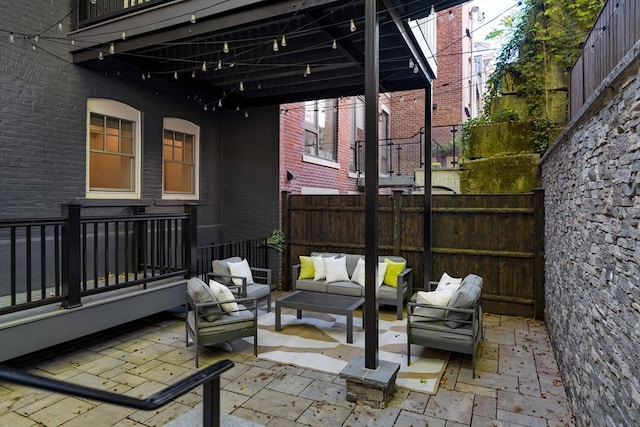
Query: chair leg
[[269, 303]]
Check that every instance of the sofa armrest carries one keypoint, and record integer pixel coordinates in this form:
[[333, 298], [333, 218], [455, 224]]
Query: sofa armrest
[[261, 275], [295, 273], [406, 277]]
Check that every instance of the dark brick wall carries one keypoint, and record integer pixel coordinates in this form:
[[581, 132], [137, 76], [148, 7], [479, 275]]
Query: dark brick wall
[[43, 100]]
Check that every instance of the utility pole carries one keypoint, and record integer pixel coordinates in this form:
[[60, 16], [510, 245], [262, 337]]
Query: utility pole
[[453, 131]]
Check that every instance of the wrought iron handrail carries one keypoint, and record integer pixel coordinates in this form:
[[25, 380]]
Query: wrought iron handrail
[[208, 377]]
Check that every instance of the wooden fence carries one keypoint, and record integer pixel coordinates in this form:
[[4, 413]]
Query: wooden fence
[[613, 35], [499, 236]]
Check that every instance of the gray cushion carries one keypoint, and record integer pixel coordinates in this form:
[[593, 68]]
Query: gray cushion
[[352, 261], [220, 268], [223, 323], [311, 285], [467, 296], [345, 288], [201, 293]]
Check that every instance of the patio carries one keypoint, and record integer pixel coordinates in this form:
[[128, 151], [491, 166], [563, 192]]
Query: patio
[[518, 383]]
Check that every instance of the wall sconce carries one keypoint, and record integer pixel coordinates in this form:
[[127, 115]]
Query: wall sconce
[[291, 175]]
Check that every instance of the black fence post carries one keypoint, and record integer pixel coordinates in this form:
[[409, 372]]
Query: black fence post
[[71, 256], [190, 239], [139, 239]]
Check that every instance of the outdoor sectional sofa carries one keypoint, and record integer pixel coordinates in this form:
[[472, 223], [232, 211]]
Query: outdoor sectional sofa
[[394, 288]]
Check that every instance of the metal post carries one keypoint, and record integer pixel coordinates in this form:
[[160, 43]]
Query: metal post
[[371, 82], [190, 240], [71, 256], [211, 403], [427, 187], [453, 131]]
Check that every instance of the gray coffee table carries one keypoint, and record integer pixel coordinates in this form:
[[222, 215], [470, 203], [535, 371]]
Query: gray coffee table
[[322, 303]]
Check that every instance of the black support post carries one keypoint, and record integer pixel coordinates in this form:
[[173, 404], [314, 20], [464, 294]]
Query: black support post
[[71, 254], [371, 82], [190, 240], [428, 114]]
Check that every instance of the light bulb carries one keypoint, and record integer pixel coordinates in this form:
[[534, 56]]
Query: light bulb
[[193, 18], [219, 64], [175, 75], [144, 77], [204, 66], [149, 75], [411, 64], [193, 74], [112, 49], [241, 86], [308, 70], [283, 42], [33, 46], [220, 102], [205, 107], [450, 15], [233, 64], [415, 69], [123, 36], [12, 38], [237, 108], [225, 47], [275, 45], [352, 27], [36, 38], [334, 45], [59, 26], [246, 114], [73, 41], [93, 1], [100, 56], [259, 85]]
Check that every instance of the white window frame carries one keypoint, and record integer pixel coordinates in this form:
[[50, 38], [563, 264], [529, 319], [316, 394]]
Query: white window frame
[[112, 108], [184, 126]]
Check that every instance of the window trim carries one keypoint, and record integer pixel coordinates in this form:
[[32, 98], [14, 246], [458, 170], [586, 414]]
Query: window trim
[[120, 110], [315, 129], [184, 126]]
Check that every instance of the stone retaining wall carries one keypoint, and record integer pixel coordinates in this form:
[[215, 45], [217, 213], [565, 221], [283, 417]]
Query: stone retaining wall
[[591, 179]]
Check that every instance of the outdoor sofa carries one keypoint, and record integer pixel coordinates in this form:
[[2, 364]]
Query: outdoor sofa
[[344, 275]]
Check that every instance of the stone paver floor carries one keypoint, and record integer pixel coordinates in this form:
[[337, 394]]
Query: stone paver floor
[[517, 384]]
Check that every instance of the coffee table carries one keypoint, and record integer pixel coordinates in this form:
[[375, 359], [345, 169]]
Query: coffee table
[[322, 303]]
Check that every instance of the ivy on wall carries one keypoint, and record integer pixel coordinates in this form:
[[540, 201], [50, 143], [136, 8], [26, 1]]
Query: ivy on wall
[[543, 35]]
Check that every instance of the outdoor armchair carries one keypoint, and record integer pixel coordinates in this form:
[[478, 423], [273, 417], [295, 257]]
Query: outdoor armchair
[[212, 319], [250, 282], [455, 326]]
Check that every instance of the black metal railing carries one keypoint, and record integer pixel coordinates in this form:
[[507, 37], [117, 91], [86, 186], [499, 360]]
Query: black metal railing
[[398, 156], [255, 251], [63, 259], [94, 11], [208, 377]]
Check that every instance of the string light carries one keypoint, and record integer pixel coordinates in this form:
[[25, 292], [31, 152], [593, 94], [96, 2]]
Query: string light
[[237, 108], [411, 64], [246, 114], [334, 45], [144, 77], [93, 1], [36, 38], [225, 47], [12, 38], [352, 26], [59, 26], [112, 49], [205, 107], [275, 45], [123, 36], [283, 42], [219, 65], [241, 86], [175, 75], [308, 70], [100, 56], [220, 102], [193, 18], [415, 69], [73, 41], [204, 66], [193, 74]]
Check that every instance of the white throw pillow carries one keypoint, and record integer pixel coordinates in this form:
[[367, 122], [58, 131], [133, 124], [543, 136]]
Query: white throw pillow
[[241, 269], [359, 272], [223, 293], [336, 269], [448, 282], [318, 267], [439, 298]]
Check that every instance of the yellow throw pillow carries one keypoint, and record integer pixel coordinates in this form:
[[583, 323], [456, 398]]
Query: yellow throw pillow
[[306, 268], [393, 269]]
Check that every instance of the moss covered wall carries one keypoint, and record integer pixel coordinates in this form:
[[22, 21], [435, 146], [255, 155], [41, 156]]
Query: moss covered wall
[[517, 173]]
